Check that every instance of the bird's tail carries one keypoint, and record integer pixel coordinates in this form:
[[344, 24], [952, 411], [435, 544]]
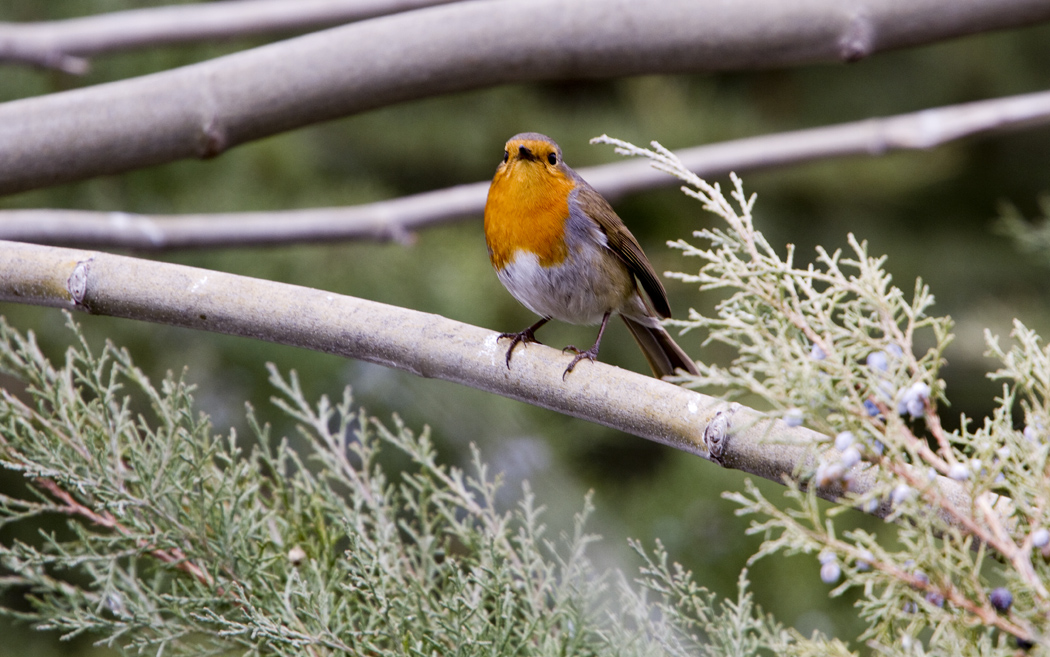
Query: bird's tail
[[663, 354]]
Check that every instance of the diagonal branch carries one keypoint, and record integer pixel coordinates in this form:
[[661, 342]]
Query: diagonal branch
[[396, 219], [207, 108], [423, 344], [64, 44]]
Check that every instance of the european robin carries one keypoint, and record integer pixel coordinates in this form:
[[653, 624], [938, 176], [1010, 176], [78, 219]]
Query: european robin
[[559, 248]]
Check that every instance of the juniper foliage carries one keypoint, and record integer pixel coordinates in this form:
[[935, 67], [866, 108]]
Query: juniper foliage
[[178, 541], [835, 344], [1029, 235]]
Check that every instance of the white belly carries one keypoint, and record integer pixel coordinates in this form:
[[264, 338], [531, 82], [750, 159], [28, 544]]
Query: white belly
[[578, 291]]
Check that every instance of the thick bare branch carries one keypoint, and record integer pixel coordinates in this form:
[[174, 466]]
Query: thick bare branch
[[424, 344], [204, 109], [397, 219], [65, 44]]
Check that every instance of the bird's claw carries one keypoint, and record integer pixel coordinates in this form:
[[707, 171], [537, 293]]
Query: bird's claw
[[522, 337], [590, 354]]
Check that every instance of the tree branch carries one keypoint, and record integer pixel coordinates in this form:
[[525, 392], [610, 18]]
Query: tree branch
[[173, 555], [397, 219], [394, 219], [203, 109], [64, 44], [423, 344]]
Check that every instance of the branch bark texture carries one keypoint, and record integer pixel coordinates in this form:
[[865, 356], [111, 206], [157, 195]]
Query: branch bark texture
[[204, 109], [64, 44], [421, 343], [396, 219]]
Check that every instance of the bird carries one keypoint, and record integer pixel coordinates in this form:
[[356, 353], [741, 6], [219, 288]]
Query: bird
[[561, 250]]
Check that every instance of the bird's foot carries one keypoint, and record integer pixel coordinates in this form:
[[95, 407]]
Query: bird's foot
[[590, 354], [521, 337]]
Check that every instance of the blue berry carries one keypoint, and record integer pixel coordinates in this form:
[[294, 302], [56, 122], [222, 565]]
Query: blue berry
[[864, 563], [901, 493], [913, 400], [878, 361], [877, 447], [850, 457], [1001, 599], [829, 473], [830, 572], [843, 440], [1031, 433]]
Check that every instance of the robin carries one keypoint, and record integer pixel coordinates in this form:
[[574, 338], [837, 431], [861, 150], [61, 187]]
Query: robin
[[559, 248]]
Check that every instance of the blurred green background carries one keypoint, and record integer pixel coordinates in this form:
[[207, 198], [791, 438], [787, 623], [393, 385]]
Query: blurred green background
[[930, 212]]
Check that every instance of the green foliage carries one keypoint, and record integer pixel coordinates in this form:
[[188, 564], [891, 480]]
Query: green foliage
[[184, 542], [834, 344], [1033, 236]]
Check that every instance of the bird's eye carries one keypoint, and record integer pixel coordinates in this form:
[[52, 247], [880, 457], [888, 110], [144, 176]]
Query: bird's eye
[[552, 158], [506, 156]]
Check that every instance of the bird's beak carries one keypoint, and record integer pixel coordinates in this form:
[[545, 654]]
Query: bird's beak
[[525, 154]]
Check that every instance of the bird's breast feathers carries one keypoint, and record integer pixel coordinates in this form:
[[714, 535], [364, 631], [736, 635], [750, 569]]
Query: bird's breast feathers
[[527, 212], [580, 290]]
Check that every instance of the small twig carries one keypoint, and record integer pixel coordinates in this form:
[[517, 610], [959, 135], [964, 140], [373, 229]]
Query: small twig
[[915, 478], [29, 414], [173, 556], [933, 423], [1018, 555], [986, 614], [993, 533]]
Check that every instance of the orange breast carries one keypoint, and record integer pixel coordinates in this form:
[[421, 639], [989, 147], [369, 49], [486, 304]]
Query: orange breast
[[527, 209]]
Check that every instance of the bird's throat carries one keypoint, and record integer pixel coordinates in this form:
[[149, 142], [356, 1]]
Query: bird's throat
[[527, 208]]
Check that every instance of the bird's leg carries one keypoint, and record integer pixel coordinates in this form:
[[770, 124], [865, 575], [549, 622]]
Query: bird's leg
[[591, 354], [524, 337]]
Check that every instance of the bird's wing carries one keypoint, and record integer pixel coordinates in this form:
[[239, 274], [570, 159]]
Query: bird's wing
[[625, 246]]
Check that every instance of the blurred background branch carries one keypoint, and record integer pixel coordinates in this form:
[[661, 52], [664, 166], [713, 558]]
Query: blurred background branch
[[67, 44], [397, 219], [204, 109]]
